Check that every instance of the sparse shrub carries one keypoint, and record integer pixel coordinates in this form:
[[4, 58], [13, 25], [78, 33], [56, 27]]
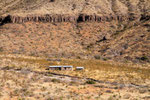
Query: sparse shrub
[[52, 0], [50, 75], [105, 59], [117, 32], [144, 58], [79, 27], [97, 57], [73, 83], [1, 94], [21, 99], [50, 98], [110, 98], [147, 25], [78, 57], [56, 80], [43, 89], [90, 82], [1, 49], [32, 54], [74, 7]]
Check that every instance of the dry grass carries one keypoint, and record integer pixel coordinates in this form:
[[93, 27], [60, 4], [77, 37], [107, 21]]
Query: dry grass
[[107, 71], [95, 69], [22, 84]]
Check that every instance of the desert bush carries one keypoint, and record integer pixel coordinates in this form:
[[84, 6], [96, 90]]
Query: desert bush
[[52, 0], [21, 99], [110, 98], [1, 49], [97, 57], [78, 57], [144, 58], [147, 25], [90, 82], [1, 94], [74, 6], [50, 98], [43, 89], [56, 80], [105, 59]]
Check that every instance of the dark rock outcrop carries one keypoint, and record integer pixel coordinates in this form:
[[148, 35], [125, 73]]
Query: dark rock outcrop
[[5, 20], [145, 17], [67, 18]]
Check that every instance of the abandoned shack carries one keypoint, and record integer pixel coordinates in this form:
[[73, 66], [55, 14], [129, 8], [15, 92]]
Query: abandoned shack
[[79, 68], [60, 67]]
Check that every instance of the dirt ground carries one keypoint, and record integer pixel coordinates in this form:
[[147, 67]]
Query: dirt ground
[[22, 78]]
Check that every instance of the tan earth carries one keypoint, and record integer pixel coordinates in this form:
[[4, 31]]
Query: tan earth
[[110, 38], [26, 85], [26, 78], [100, 29]]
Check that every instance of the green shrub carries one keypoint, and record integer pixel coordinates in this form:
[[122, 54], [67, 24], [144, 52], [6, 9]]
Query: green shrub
[[90, 82]]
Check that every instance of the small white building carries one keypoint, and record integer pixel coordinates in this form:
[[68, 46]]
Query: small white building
[[79, 68], [65, 67]]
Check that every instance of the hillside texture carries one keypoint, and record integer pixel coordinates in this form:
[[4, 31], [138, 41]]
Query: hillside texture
[[99, 29]]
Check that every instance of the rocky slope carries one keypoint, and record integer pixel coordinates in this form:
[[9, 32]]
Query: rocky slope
[[74, 7], [101, 29]]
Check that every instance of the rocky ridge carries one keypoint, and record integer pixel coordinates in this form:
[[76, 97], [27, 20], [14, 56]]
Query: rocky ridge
[[20, 11], [69, 18]]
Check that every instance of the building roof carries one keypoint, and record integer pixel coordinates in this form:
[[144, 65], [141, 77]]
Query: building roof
[[55, 66], [68, 66], [80, 67], [60, 66]]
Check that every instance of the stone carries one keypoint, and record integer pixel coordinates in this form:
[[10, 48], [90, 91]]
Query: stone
[[126, 96], [109, 91], [146, 97], [142, 91]]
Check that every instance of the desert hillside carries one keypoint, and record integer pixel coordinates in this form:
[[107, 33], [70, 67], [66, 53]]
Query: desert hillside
[[74, 7], [106, 43], [25, 78], [85, 29]]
